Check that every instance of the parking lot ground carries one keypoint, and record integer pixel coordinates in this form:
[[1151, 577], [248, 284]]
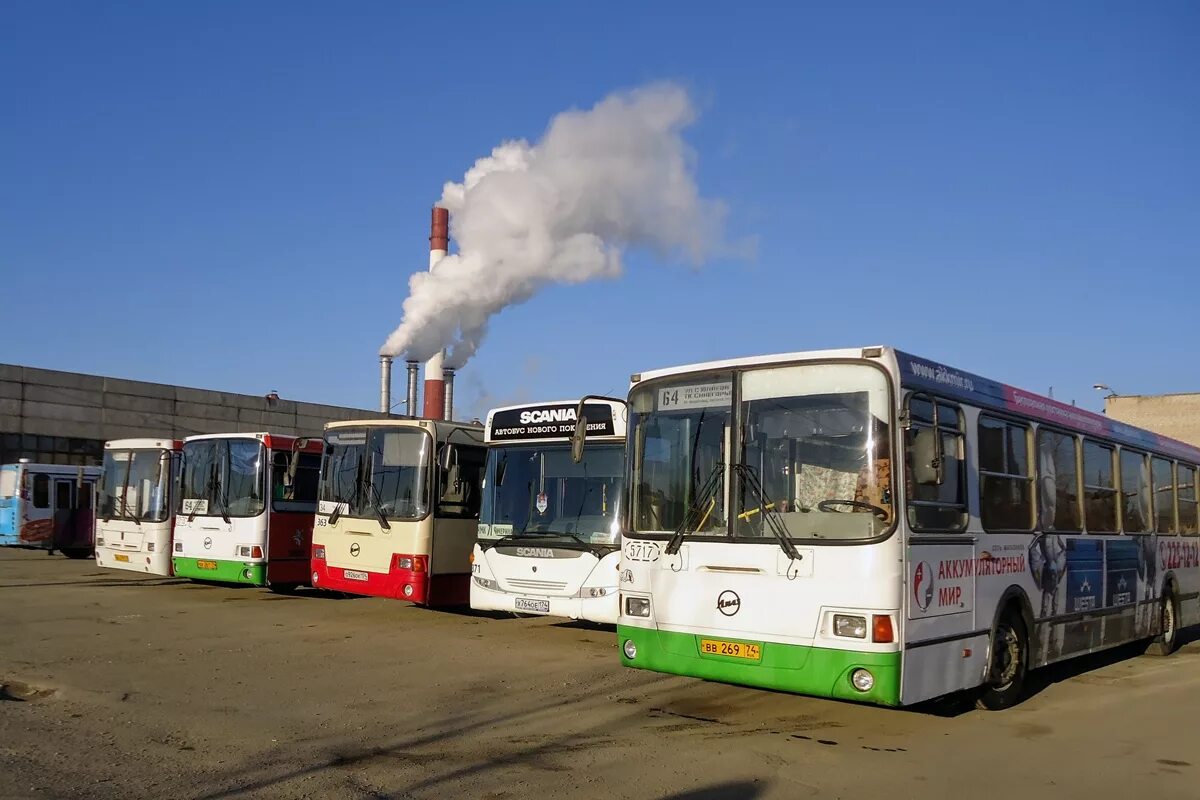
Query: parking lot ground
[[123, 686]]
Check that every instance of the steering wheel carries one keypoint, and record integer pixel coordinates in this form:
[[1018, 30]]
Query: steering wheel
[[828, 506]]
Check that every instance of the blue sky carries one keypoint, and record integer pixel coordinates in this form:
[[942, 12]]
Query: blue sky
[[233, 195]]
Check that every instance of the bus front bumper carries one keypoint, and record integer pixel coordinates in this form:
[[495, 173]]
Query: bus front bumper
[[399, 584], [817, 671], [133, 560], [594, 609], [207, 569]]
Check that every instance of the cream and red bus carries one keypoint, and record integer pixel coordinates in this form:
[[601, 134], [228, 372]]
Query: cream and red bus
[[398, 509], [869, 525], [549, 540], [246, 508], [135, 517]]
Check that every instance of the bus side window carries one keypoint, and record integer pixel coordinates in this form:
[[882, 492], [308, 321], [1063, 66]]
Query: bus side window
[[461, 491], [41, 491], [64, 495], [85, 496], [935, 466]]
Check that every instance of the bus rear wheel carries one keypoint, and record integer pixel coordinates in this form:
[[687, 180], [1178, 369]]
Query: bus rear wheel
[[1164, 644], [78, 552], [1009, 665]]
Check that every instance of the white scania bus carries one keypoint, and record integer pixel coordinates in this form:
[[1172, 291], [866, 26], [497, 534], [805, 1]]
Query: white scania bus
[[869, 525], [548, 540]]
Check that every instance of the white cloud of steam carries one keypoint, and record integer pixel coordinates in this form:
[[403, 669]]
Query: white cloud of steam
[[561, 210]]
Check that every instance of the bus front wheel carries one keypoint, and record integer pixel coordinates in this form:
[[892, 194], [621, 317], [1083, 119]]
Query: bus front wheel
[[1009, 664], [1164, 643]]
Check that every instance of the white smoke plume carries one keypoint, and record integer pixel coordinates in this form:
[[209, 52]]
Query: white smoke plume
[[561, 210]]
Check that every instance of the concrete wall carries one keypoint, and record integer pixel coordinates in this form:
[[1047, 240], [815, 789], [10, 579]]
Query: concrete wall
[[1174, 415], [71, 415]]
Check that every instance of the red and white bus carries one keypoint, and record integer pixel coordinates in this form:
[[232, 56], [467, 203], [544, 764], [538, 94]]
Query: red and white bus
[[398, 510]]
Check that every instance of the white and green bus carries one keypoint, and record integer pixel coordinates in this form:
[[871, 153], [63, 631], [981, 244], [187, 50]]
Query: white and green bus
[[768, 541]]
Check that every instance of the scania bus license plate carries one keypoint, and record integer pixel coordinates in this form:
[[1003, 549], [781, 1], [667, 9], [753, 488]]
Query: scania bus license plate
[[536, 606]]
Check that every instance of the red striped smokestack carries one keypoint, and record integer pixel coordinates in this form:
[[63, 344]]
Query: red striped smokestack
[[435, 386]]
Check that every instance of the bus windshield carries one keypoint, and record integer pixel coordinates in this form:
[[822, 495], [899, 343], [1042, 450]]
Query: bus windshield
[[223, 476], [813, 451], [539, 490], [136, 485], [377, 471]]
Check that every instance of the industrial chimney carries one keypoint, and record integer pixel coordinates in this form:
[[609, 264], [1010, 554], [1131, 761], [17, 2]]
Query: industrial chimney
[[448, 403], [385, 384], [410, 392], [435, 386]]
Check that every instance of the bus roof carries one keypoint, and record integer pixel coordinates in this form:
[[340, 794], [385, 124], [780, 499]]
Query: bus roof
[[54, 469], [554, 421], [440, 427], [143, 444], [272, 440], [936, 378]]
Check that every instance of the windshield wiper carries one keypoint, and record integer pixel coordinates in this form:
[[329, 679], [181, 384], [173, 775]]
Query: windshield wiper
[[338, 502], [765, 503], [218, 493], [695, 517], [373, 500]]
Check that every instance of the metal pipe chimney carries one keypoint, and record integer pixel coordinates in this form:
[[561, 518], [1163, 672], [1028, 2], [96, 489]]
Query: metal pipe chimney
[[448, 405], [385, 384], [435, 387], [410, 394]]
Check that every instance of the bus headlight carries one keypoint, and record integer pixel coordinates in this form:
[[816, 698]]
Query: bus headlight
[[319, 552], [594, 591], [849, 626], [630, 649], [179, 547], [100, 541], [149, 547], [486, 583], [637, 607], [862, 680]]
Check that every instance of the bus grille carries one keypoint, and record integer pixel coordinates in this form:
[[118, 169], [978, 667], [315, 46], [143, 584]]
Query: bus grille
[[540, 586]]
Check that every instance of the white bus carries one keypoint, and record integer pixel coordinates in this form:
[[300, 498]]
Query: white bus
[[769, 541], [549, 539], [136, 513]]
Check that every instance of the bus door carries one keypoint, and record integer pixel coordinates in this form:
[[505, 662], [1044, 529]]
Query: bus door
[[294, 478], [458, 476], [943, 651]]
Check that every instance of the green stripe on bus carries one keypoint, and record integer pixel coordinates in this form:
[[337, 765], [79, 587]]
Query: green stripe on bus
[[226, 571], [818, 671]]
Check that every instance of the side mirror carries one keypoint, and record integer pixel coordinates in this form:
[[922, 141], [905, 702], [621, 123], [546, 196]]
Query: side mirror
[[578, 438], [446, 457], [927, 458]]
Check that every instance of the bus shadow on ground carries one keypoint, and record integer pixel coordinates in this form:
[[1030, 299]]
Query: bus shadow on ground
[[1041, 680], [732, 790], [446, 767], [99, 583]]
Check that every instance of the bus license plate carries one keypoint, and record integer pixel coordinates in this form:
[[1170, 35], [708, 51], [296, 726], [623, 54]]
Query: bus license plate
[[206, 564], [720, 647], [121, 557], [536, 606], [354, 575]]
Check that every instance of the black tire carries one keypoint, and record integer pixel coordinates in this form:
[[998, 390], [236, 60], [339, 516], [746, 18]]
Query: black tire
[[1167, 640], [1009, 664], [79, 552], [283, 588]]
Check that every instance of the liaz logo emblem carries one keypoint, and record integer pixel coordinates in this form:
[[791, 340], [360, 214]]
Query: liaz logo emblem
[[728, 603], [354, 549], [208, 543], [923, 585]]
